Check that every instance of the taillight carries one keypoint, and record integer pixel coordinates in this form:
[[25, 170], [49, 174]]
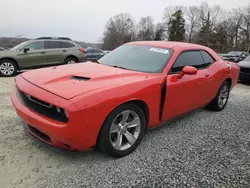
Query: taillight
[[82, 50]]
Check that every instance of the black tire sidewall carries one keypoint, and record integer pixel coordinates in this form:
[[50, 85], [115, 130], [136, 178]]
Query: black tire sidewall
[[217, 97], [104, 143], [15, 68], [69, 59]]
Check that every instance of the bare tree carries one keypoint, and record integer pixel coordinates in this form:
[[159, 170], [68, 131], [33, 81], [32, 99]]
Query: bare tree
[[146, 28], [193, 21], [118, 30], [169, 11], [160, 31], [246, 27]]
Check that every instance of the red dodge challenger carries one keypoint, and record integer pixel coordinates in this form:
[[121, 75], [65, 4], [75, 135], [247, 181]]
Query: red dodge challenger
[[111, 103]]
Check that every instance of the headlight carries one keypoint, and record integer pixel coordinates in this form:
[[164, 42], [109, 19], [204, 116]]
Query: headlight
[[62, 111], [58, 109], [66, 114]]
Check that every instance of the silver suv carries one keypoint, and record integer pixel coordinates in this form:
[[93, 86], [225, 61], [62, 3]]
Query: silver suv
[[41, 52]]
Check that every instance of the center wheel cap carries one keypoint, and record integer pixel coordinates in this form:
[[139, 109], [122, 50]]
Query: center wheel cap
[[123, 129]]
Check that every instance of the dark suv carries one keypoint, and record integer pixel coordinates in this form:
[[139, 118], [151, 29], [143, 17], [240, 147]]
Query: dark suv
[[245, 70], [41, 52]]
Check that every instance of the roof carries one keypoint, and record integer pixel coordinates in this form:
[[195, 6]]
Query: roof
[[166, 44]]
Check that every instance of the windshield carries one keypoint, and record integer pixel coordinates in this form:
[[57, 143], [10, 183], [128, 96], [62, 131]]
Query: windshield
[[234, 53], [138, 58], [19, 45], [248, 58]]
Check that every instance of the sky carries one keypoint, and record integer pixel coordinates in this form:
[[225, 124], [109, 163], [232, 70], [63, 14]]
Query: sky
[[82, 20]]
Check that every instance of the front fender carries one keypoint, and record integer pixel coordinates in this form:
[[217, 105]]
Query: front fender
[[96, 106]]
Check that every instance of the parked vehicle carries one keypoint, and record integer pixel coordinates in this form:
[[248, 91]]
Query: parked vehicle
[[235, 56], [106, 51], [222, 55], [93, 54], [2, 49], [111, 103], [41, 52], [245, 70]]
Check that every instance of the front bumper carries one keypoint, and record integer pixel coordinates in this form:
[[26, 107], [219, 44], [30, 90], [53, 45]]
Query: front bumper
[[73, 135]]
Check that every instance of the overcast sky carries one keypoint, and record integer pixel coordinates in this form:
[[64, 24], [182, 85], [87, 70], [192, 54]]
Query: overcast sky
[[82, 20]]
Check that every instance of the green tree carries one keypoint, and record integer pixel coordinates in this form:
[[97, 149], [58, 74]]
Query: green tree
[[176, 27]]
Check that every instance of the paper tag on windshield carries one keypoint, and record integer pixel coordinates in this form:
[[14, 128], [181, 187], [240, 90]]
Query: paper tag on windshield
[[160, 50]]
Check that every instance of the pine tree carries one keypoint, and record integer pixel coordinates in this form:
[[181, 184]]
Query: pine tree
[[176, 27]]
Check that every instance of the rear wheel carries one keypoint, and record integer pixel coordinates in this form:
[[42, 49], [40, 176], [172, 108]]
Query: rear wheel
[[71, 60], [122, 131], [220, 100], [8, 68]]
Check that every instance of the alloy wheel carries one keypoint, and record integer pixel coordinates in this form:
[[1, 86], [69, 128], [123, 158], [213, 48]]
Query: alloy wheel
[[7, 68], [71, 62], [125, 130], [223, 96]]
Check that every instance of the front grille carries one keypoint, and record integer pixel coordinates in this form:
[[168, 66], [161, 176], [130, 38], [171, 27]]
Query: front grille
[[41, 107], [245, 70], [39, 134]]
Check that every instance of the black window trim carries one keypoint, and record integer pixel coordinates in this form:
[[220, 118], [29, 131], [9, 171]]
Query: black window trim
[[58, 41], [21, 48], [190, 50], [90, 49], [70, 43]]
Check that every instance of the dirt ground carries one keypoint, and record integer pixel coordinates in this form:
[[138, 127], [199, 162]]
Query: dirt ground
[[24, 163]]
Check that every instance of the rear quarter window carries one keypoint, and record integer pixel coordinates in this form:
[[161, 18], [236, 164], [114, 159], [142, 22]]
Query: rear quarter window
[[208, 59]]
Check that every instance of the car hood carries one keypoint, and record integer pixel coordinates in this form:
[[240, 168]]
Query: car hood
[[69, 81], [244, 64]]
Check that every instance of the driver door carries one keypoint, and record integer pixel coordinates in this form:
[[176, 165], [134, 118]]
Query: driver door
[[183, 94], [32, 55]]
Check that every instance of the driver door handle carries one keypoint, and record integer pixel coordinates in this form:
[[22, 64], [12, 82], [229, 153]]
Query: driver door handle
[[64, 51], [43, 52]]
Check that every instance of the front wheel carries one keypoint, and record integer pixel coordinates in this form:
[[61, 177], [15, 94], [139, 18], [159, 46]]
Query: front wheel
[[122, 131], [220, 100]]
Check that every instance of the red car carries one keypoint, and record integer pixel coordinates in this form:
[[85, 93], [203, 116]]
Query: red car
[[111, 103]]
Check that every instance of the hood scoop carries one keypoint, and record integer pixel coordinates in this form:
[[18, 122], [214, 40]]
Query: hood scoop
[[80, 78]]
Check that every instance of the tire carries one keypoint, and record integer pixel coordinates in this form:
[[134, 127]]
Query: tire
[[71, 60], [221, 98], [108, 142], [8, 68]]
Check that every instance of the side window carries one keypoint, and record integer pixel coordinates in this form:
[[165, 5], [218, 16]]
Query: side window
[[190, 58], [52, 44], [66, 44], [208, 59], [89, 51], [38, 45], [97, 51]]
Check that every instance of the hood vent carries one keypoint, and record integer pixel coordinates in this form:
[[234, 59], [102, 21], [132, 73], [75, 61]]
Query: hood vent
[[80, 78]]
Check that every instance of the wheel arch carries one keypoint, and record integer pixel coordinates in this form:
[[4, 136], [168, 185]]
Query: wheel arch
[[71, 56], [229, 80], [142, 104], [11, 59]]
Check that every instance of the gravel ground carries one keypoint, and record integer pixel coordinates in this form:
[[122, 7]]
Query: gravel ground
[[201, 149]]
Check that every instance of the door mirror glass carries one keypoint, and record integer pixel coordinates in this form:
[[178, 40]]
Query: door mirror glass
[[188, 70], [25, 50]]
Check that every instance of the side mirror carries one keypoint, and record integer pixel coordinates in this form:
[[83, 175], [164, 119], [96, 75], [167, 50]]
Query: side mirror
[[188, 70], [25, 50]]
